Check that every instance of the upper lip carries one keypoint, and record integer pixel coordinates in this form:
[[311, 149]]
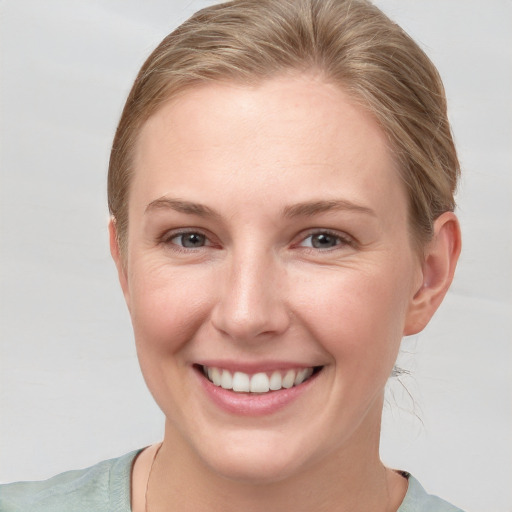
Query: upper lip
[[254, 367]]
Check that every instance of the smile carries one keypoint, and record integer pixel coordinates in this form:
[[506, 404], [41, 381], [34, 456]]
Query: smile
[[262, 382]]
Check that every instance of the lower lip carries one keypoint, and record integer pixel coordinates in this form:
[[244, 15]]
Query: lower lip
[[251, 404]]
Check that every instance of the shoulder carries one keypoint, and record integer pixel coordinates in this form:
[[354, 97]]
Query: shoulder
[[103, 487], [418, 500]]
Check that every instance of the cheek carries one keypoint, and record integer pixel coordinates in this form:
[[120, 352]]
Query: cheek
[[167, 306], [357, 316]]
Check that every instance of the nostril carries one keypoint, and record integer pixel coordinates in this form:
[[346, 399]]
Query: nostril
[[248, 307]]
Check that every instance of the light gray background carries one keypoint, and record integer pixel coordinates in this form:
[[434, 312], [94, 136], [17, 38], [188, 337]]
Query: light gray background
[[70, 389]]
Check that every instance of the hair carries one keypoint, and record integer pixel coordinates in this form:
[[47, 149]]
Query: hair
[[349, 42]]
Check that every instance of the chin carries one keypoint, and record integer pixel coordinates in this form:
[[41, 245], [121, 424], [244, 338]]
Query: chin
[[264, 462]]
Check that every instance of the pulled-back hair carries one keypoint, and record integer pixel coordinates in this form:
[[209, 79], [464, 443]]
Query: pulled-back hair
[[349, 42]]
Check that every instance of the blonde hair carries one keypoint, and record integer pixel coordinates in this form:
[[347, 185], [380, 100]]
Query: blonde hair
[[350, 42]]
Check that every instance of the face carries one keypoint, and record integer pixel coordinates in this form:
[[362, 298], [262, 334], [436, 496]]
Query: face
[[269, 252]]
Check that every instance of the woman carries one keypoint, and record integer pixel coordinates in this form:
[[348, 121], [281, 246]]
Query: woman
[[281, 188]]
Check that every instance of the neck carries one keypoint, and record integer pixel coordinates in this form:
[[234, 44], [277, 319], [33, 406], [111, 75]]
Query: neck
[[349, 479]]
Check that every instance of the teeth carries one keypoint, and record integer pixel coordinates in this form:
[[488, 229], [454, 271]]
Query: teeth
[[276, 381], [241, 382], [288, 379], [303, 375], [260, 383], [226, 381], [216, 377]]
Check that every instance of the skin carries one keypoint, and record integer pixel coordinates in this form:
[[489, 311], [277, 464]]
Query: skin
[[266, 164]]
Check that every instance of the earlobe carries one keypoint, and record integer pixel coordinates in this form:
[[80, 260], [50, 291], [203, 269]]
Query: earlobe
[[440, 260], [118, 258]]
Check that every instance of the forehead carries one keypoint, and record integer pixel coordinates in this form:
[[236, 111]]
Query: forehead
[[295, 133]]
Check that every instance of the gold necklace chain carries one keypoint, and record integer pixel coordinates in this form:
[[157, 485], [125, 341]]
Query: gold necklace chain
[[146, 507]]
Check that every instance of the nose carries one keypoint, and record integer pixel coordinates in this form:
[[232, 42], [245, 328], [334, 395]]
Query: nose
[[251, 302]]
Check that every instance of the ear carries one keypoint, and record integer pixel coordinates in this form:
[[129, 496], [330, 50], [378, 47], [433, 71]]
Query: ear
[[440, 260], [118, 258]]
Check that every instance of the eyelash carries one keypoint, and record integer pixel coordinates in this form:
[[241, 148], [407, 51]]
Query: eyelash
[[342, 239], [168, 237]]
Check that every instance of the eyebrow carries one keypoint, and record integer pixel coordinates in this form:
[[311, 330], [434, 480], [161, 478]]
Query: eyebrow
[[310, 208], [305, 209], [181, 206]]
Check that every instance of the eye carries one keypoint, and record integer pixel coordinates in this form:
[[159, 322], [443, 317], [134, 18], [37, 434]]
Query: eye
[[323, 240], [189, 240]]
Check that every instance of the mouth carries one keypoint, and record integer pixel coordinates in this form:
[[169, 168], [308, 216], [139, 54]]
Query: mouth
[[260, 382]]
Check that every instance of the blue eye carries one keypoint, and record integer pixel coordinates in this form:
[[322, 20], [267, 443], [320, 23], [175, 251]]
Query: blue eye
[[189, 240], [323, 240]]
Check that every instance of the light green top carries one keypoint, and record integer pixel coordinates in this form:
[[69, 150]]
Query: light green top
[[105, 487]]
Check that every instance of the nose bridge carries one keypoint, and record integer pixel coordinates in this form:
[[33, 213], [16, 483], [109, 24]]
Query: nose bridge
[[251, 301]]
